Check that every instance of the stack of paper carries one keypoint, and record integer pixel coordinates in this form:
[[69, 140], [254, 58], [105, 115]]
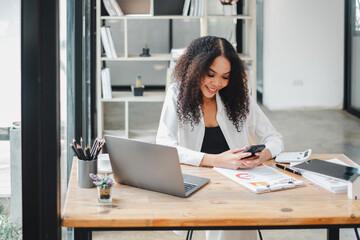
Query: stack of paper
[[106, 83], [107, 42], [113, 8], [329, 183], [261, 178]]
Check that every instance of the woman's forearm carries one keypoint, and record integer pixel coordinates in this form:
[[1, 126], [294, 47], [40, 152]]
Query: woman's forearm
[[209, 160]]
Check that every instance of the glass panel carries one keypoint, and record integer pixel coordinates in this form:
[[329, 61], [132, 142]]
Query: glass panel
[[65, 95], [355, 73], [259, 45], [355, 60], [357, 15], [10, 117]]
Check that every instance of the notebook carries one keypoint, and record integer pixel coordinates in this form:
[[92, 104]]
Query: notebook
[[150, 166]]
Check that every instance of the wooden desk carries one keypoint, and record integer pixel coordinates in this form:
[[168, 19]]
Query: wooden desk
[[222, 204]]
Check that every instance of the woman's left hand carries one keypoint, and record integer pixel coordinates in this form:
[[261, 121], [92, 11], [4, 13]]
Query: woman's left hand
[[258, 159]]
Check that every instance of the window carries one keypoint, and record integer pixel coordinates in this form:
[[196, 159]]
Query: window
[[357, 17]]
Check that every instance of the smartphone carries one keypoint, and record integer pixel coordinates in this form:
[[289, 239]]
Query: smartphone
[[254, 149]]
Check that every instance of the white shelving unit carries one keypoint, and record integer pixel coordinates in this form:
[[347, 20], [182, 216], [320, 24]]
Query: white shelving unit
[[249, 57], [126, 98]]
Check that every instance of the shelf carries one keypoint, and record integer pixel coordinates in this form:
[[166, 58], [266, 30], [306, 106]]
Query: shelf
[[140, 17], [133, 57], [143, 12], [245, 17], [157, 57], [154, 96], [147, 16]]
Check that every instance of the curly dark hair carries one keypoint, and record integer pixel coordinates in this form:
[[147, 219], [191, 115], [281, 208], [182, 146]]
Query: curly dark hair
[[191, 69]]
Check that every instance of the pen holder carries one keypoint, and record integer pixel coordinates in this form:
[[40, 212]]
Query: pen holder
[[85, 167]]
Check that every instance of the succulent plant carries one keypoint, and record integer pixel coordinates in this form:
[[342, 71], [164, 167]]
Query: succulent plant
[[102, 181]]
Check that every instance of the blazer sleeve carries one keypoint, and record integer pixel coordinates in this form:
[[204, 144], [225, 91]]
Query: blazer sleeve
[[167, 133], [262, 131]]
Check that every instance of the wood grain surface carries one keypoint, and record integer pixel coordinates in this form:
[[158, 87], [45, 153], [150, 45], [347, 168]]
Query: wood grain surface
[[222, 202]]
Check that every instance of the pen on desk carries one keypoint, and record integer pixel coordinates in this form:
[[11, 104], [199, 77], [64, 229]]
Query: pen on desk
[[288, 169]]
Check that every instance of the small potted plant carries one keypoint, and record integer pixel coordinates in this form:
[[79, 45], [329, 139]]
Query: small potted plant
[[146, 51], [104, 184], [228, 6], [138, 88]]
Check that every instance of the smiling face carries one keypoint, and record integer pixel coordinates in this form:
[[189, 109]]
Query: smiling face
[[216, 78]]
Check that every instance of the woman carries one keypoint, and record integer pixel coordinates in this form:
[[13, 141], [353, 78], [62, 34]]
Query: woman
[[210, 117]]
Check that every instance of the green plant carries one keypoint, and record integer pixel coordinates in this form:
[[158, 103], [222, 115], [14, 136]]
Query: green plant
[[8, 230], [103, 181], [138, 81]]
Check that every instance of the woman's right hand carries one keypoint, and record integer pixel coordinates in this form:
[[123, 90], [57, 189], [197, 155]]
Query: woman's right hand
[[229, 159]]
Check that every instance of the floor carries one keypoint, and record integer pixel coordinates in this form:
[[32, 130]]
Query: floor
[[324, 131]]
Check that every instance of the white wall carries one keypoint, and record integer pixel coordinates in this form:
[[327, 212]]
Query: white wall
[[303, 54]]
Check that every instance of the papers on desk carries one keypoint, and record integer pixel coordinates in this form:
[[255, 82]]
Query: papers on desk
[[329, 183], [261, 178]]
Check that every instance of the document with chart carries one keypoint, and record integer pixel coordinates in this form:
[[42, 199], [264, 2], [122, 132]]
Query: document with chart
[[261, 178]]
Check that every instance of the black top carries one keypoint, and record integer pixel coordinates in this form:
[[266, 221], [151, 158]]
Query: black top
[[214, 141]]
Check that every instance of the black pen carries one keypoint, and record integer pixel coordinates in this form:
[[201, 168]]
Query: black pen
[[288, 169]]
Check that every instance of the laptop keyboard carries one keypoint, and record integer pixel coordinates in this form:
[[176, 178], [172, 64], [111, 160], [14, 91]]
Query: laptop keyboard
[[189, 186]]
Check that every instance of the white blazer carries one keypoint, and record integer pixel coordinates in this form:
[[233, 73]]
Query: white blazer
[[188, 139]]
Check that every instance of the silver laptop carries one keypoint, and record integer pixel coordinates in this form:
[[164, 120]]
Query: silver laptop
[[150, 166]]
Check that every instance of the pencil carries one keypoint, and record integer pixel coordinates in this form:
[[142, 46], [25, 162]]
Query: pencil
[[87, 151], [81, 152], [93, 148], [100, 148], [76, 152]]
